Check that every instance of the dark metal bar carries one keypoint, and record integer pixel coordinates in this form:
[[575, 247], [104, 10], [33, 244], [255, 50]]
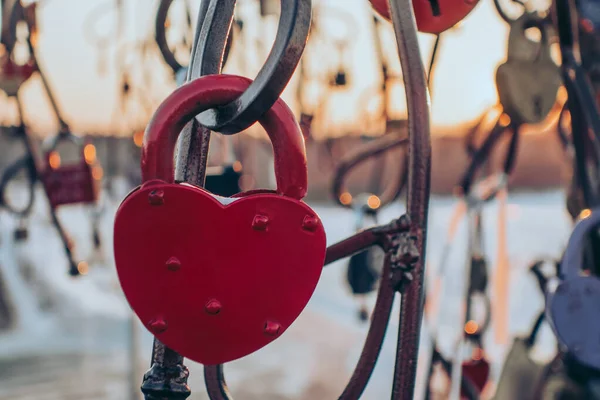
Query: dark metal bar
[[214, 23], [351, 245], [167, 378], [415, 83], [292, 34]]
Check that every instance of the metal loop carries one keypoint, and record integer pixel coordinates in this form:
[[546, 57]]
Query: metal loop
[[26, 163], [483, 153], [503, 14], [376, 148], [65, 136], [12, 13], [161, 38], [292, 34], [215, 18]]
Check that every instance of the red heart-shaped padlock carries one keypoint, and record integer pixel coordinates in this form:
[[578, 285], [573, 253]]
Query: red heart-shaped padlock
[[477, 371], [218, 278], [432, 16]]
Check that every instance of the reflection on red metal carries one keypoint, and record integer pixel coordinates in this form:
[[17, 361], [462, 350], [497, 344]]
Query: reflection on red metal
[[260, 253], [72, 183], [432, 16], [13, 75]]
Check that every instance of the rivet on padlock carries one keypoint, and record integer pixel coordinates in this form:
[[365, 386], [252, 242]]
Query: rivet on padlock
[[529, 80], [156, 198], [213, 307], [173, 264], [261, 250], [158, 326], [572, 306], [260, 222], [310, 223], [272, 328]]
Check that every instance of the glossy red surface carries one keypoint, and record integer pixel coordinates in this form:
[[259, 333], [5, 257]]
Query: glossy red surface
[[237, 288], [451, 13], [217, 282]]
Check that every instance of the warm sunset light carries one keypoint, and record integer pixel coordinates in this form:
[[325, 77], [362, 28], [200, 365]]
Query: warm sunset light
[[345, 198], [89, 152], [461, 90], [374, 202], [97, 172], [237, 166], [138, 138], [83, 268], [504, 120], [54, 160], [585, 213], [471, 327]]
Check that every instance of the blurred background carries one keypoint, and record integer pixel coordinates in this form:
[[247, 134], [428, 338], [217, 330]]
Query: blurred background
[[75, 338]]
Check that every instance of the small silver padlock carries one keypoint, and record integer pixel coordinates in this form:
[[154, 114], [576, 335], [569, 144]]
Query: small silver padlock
[[529, 80]]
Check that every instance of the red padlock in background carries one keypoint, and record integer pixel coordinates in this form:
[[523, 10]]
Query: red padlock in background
[[71, 183], [218, 278], [477, 370], [432, 16], [13, 75]]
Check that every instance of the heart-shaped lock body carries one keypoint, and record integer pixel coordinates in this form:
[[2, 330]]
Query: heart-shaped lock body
[[432, 16], [218, 278], [529, 80], [572, 306]]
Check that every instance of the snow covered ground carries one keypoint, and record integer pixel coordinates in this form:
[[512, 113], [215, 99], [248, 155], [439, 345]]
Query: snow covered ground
[[73, 337]]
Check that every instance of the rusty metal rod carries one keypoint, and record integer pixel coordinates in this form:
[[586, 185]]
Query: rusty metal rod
[[417, 99]]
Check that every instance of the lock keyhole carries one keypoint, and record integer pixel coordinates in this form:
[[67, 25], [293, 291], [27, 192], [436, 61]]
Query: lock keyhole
[[435, 7]]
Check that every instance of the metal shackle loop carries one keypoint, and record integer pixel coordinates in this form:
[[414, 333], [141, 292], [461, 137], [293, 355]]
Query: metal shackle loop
[[377, 148], [572, 262], [210, 91], [243, 111]]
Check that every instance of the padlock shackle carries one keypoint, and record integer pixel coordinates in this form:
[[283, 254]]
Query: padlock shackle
[[64, 136], [211, 91], [572, 261]]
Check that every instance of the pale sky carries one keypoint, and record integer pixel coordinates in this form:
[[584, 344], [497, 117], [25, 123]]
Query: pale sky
[[463, 87]]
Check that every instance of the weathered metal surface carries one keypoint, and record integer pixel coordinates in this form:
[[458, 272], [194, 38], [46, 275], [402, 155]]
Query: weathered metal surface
[[419, 167], [292, 34]]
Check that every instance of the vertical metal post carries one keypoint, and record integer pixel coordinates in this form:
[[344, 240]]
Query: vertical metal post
[[417, 96], [167, 378]]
